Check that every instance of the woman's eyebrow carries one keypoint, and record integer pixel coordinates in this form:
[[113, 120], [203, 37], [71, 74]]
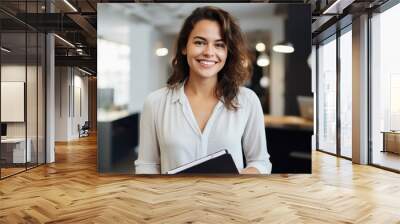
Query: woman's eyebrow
[[202, 38], [199, 37]]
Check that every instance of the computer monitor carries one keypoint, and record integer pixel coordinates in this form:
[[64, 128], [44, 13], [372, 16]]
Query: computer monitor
[[3, 129]]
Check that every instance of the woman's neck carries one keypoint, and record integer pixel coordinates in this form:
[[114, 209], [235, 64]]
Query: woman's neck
[[201, 87]]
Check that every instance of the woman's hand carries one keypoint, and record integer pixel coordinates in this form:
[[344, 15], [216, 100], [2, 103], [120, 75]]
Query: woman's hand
[[250, 170]]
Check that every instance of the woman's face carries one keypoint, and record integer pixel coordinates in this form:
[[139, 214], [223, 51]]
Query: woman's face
[[205, 50]]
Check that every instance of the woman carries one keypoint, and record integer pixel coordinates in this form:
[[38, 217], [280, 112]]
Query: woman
[[203, 109]]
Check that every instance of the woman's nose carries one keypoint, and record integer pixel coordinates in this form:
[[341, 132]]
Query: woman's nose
[[209, 50]]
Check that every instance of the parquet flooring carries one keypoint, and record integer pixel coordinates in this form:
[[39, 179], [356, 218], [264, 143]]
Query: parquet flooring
[[71, 191]]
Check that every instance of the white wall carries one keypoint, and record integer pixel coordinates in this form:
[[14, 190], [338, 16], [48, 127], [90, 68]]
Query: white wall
[[80, 97], [14, 73], [70, 83], [149, 72], [61, 103], [17, 73], [33, 125], [140, 73]]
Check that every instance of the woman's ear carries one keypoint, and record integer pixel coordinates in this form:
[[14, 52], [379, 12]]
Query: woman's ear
[[184, 51]]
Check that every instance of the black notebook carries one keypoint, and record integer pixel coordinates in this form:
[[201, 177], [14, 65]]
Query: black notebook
[[218, 162]]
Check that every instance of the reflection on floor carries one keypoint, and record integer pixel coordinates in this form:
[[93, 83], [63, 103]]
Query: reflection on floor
[[346, 152], [11, 169], [386, 159]]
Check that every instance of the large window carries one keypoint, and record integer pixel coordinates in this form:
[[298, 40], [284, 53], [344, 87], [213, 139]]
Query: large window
[[113, 87], [335, 137], [385, 88], [345, 93], [327, 96]]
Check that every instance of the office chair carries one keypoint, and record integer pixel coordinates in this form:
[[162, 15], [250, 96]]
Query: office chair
[[84, 130]]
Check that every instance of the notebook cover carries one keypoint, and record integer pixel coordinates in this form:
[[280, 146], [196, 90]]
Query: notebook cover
[[218, 165]]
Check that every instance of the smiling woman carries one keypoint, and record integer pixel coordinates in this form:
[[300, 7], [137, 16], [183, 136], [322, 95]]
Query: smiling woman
[[226, 41], [204, 108]]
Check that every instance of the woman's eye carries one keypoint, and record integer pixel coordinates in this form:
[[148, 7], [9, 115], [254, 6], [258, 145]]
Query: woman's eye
[[220, 45], [199, 43]]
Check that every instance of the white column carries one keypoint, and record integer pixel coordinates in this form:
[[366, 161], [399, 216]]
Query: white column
[[141, 65], [63, 102], [50, 98], [277, 72]]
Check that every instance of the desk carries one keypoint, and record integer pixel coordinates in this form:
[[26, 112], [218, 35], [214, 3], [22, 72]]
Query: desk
[[289, 143], [288, 122], [116, 143], [15, 148], [391, 141]]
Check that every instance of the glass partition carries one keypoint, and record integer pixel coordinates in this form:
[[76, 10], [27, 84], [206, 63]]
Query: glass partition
[[22, 92], [13, 110]]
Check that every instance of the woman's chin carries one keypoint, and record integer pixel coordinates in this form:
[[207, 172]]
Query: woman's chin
[[206, 74]]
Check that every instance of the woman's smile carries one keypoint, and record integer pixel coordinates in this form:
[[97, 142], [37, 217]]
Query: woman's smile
[[206, 63]]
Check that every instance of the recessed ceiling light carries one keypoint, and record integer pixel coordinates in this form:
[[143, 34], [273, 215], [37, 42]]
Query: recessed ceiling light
[[64, 40], [263, 60], [84, 71], [283, 48], [264, 82], [5, 50], [260, 47], [161, 51], [70, 5]]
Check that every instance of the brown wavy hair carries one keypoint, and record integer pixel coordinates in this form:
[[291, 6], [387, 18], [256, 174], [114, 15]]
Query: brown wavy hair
[[237, 68]]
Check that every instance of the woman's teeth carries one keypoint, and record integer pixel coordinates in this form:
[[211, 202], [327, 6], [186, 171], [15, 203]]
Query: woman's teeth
[[207, 62]]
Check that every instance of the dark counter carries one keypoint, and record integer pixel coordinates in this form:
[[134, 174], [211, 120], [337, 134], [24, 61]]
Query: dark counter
[[116, 143], [289, 143]]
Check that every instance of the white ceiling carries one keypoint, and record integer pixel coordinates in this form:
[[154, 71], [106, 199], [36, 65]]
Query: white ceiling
[[258, 20], [168, 17]]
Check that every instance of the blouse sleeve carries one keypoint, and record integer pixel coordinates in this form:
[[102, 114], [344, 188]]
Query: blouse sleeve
[[254, 139], [148, 161]]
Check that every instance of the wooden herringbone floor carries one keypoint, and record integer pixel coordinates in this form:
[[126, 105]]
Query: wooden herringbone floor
[[70, 191]]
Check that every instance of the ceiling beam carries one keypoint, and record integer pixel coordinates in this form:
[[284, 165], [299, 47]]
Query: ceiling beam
[[84, 61], [84, 24]]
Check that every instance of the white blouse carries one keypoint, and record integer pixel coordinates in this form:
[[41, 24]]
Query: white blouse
[[170, 136]]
